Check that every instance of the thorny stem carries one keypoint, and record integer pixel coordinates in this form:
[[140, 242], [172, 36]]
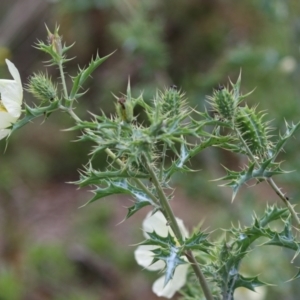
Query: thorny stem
[[206, 291], [65, 91], [63, 81], [169, 215], [269, 180], [73, 115], [163, 161], [166, 208], [283, 198]]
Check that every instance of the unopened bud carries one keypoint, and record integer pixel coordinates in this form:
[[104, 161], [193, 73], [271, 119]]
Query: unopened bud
[[171, 101], [124, 109], [54, 40], [223, 103], [41, 87]]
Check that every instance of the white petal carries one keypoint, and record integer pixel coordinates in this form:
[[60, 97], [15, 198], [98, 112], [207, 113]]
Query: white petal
[[13, 71], [144, 258], [158, 223], [182, 228], [175, 284], [4, 133], [6, 119], [11, 91], [10, 96]]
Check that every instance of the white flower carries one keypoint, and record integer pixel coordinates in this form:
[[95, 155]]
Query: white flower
[[144, 256], [11, 96]]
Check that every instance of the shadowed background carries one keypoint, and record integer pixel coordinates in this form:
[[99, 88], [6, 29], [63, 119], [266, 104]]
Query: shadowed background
[[50, 249]]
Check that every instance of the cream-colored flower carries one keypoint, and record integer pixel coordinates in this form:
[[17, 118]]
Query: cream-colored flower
[[144, 256], [11, 96]]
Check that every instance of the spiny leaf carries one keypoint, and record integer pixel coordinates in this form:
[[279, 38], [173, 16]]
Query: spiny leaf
[[186, 154], [32, 113], [92, 176], [83, 74], [272, 213], [172, 260], [290, 130], [157, 240], [248, 282], [198, 241], [237, 179], [236, 90], [285, 238], [122, 187], [167, 251]]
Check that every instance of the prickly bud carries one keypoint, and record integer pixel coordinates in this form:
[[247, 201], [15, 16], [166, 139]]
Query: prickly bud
[[124, 109], [223, 103], [41, 86], [172, 101], [253, 129]]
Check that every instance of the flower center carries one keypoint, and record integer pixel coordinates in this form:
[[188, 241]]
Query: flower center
[[2, 107]]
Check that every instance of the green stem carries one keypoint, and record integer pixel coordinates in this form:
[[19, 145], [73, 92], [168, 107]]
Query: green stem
[[270, 181], [72, 114], [169, 215], [167, 210], [163, 160], [68, 107], [199, 275], [63, 81], [283, 198]]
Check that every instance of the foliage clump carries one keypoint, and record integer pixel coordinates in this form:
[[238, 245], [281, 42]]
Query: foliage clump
[[136, 153]]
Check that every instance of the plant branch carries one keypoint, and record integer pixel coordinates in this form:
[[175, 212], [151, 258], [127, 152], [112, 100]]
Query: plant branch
[[169, 215], [270, 181], [166, 208], [163, 160], [63, 81], [283, 198], [189, 255]]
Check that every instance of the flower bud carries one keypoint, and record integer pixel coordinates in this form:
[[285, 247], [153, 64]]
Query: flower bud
[[223, 103], [255, 132], [171, 101], [124, 109], [42, 88], [54, 40]]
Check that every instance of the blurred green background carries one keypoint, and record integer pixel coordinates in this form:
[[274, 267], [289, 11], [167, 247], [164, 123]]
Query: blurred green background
[[50, 249]]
